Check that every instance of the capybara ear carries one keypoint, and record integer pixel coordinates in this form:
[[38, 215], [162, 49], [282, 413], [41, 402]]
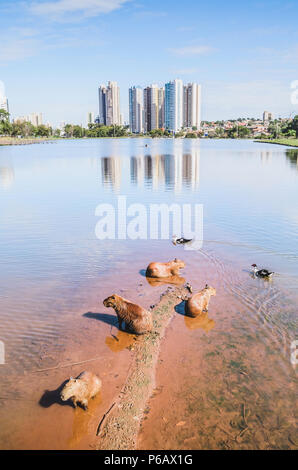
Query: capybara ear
[[206, 286], [175, 260]]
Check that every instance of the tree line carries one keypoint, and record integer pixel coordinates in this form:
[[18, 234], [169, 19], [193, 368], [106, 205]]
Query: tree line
[[276, 129]]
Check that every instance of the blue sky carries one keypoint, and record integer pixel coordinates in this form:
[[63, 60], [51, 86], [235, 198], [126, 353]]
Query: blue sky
[[55, 53]]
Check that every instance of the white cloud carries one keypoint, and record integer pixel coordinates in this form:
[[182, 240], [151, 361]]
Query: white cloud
[[17, 49], [59, 8], [193, 50]]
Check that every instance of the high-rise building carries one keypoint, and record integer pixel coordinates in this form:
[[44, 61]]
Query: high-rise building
[[174, 105], [161, 108], [109, 104], [153, 108], [34, 118], [267, 116], [192, 105], [147, 109], [4, 103], [102, 115], [90, 117], [136, 110], [113, 104]]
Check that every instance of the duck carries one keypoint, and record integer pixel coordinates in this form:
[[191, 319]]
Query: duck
[[261, 272], [180, 241]]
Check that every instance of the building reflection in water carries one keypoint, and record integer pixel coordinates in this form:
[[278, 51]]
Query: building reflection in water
[[111, 172], [292, 157], [266, 157], [6, 177], [171, 171]]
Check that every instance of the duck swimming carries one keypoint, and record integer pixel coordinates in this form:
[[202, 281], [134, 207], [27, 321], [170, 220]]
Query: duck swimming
[[261, 272], [180, 241]]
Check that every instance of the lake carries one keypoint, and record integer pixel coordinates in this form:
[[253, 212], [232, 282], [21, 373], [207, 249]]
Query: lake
[[224, 381]]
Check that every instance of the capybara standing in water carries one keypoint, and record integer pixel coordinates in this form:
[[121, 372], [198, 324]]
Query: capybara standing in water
[[136, 318], [198, 303], [165, 269], [81, 389]]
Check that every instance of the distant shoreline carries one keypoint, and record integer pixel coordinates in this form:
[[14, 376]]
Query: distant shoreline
[[286, 142], [7, 141], [24, 141]]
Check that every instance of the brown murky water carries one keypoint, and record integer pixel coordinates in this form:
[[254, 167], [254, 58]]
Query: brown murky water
[[225, 380]]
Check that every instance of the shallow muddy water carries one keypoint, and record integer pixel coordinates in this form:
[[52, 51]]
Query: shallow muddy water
[[225, 380]]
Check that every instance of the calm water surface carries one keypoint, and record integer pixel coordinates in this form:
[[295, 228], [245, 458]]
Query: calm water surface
[[54, 273]]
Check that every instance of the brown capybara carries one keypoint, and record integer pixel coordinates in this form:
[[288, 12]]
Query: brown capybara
[[165, 269], [81, 389], [136, 318], [198, 303]]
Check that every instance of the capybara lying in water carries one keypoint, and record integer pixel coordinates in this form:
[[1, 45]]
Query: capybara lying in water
[[81, 389], [165, 269], [199, 302], [136, 318]]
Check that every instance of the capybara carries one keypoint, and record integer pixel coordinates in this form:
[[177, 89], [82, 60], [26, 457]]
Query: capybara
[[198, 303], [165, 269], [136, 318], [81, 389]]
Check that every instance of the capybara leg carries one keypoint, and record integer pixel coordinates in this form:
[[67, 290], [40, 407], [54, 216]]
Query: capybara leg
[[85, 404], [74, 403]]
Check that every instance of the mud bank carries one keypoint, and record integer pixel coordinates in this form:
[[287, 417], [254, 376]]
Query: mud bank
[[119, 426], [12, 141]]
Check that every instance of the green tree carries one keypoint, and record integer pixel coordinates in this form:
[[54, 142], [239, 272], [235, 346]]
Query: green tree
[[68, 129], [42, 131], [78, 131], [4, 115], [295, 125]]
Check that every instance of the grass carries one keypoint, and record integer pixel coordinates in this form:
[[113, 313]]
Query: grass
[[288, 142]]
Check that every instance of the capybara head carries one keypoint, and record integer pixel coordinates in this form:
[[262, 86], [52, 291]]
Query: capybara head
[[111, 301], [70, 389], [179, 263], [211, 290]]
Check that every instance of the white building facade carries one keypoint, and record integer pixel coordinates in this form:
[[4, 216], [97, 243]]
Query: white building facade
[[136, 110], [192, 106], [109, 104]]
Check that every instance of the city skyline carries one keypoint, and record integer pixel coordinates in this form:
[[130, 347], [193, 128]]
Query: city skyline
[[244, 56], [173, 107]]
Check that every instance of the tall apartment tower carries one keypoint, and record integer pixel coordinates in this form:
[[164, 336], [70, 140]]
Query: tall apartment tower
[[4, 103], [109, 104], [136, 110], [161, 108], [102, 115], [90, 117], [174, 105], [267, 116], [35, 119], [192, 105], [153, 108]]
